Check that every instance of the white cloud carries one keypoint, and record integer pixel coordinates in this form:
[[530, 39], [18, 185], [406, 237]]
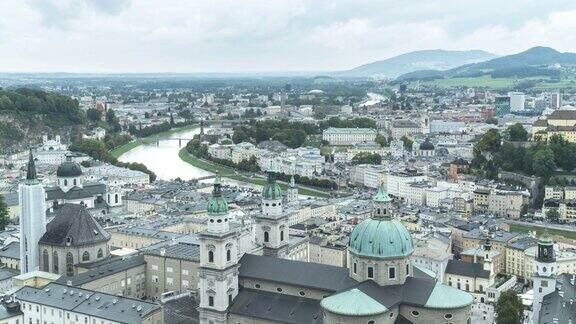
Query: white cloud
[[264, 35]]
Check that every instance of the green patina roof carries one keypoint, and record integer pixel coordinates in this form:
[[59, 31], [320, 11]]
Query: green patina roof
[[545, 238], [381, 196], [444, 296], [352, 302], [217, 205], [381, 238], [271, 189]]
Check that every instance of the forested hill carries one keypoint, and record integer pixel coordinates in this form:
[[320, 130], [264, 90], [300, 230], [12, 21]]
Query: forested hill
[[27, 114]]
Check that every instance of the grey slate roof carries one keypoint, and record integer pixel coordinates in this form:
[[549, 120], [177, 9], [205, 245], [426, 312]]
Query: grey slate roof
[[75, 222], [88, 190], [560, 307], [276, 307], [112, 267], [11, 250], [9, 310], [303, 274], [7, 273], [473, 270], [89, 302], [182, 251]]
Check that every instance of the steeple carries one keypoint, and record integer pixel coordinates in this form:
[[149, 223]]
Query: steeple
[[545, 248], [31, 172], [381, 202]]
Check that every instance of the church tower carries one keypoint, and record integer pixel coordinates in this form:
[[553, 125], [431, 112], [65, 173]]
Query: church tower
[[272, 222], [544, 274], [218, 275], [32, 218], [292, 192]]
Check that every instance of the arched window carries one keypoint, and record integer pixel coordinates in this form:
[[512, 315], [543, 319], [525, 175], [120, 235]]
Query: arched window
[[74, 181], [100, 254], [69, 264], [116, 198], [481, 288], [85, 256], [266, 237], [228, 255], [45, 260], [407, 269], [210, 256], [467, 287], [281, 235], [65, 183], [370, 322], [55, 262]]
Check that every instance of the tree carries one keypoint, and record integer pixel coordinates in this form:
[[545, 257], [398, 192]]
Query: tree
[[94, 115], [552, 214], [4, 217], [240, 136], [492, 121], [490, 141], [509, 309], [517, 133], [543, 163], [407, 143], [366, 158], [381, 139]]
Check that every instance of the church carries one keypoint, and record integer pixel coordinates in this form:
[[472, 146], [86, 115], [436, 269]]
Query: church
[[380, 284]]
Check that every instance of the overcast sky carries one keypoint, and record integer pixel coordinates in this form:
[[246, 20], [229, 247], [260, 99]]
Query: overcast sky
[[265, 35]]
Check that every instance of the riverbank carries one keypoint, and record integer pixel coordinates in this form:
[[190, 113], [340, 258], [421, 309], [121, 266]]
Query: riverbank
[[540, 230], [117, 152], [235, 175]]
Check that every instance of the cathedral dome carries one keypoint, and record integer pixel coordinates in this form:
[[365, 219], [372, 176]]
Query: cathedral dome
[[427, 145], [69, 169], [381, 238], [271, 189]]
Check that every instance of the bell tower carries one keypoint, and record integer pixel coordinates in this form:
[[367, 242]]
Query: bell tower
[[272, 222], [545, 273], [218, 275]]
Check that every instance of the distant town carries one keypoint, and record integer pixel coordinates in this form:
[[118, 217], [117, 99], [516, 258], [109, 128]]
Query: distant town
[[327, 199]]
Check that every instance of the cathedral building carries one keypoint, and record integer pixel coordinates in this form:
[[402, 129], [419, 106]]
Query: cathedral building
[[380, 284]]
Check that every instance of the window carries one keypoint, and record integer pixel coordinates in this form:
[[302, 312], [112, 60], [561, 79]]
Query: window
[[407, 269], [391, 315], [45, 260], [154, 267], [185, 272], [210, 256], [228, 255], [169, 269], [266, 237], [302, 293], [370, 322], [354, 267], [169, 281], [65, 183], [116, 198], [448, 316], [74, 181], [85, 256], [257, 286], [185, 283], [370, 272], [100, 254], [415, 313], [281, 235], [279, 289], [55, 262], [392, 273], [229, 299], [211, 301], [467, 287], [481, 288], [69, 264]]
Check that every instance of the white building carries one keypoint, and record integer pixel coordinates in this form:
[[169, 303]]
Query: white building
[[517, 101], [398, 183], [348, 136], [52, 151]]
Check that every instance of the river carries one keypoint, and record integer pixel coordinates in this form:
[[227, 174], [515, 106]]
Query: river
[[162, 158]]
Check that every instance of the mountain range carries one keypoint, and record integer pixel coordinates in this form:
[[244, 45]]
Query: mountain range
[[437, 60], [536, 61]]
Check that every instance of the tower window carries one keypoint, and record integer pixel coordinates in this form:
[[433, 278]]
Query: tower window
[[210, 256], [392, 273], [407, 269], [370, 272], [281, 235], [266, 237], [354, 268], [228, 255], [211, 301]]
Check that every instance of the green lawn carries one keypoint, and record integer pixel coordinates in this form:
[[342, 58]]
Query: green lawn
[[231, 174], [539, 230], [117, 152], [484, 81]]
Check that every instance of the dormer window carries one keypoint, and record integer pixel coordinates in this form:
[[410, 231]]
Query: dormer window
[[68, 240]]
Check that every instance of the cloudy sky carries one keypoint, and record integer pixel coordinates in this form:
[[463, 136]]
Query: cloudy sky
[[265, 35]]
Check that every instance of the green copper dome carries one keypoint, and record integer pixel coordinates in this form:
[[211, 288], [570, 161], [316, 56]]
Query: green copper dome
[[217, 205], [381, 196], [381, 238], [353, 302], [271, 190]]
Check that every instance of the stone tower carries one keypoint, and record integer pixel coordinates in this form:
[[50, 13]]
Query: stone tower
[[32, 218], [272, 222], [544, 274], [292, 192], [218, 275]]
